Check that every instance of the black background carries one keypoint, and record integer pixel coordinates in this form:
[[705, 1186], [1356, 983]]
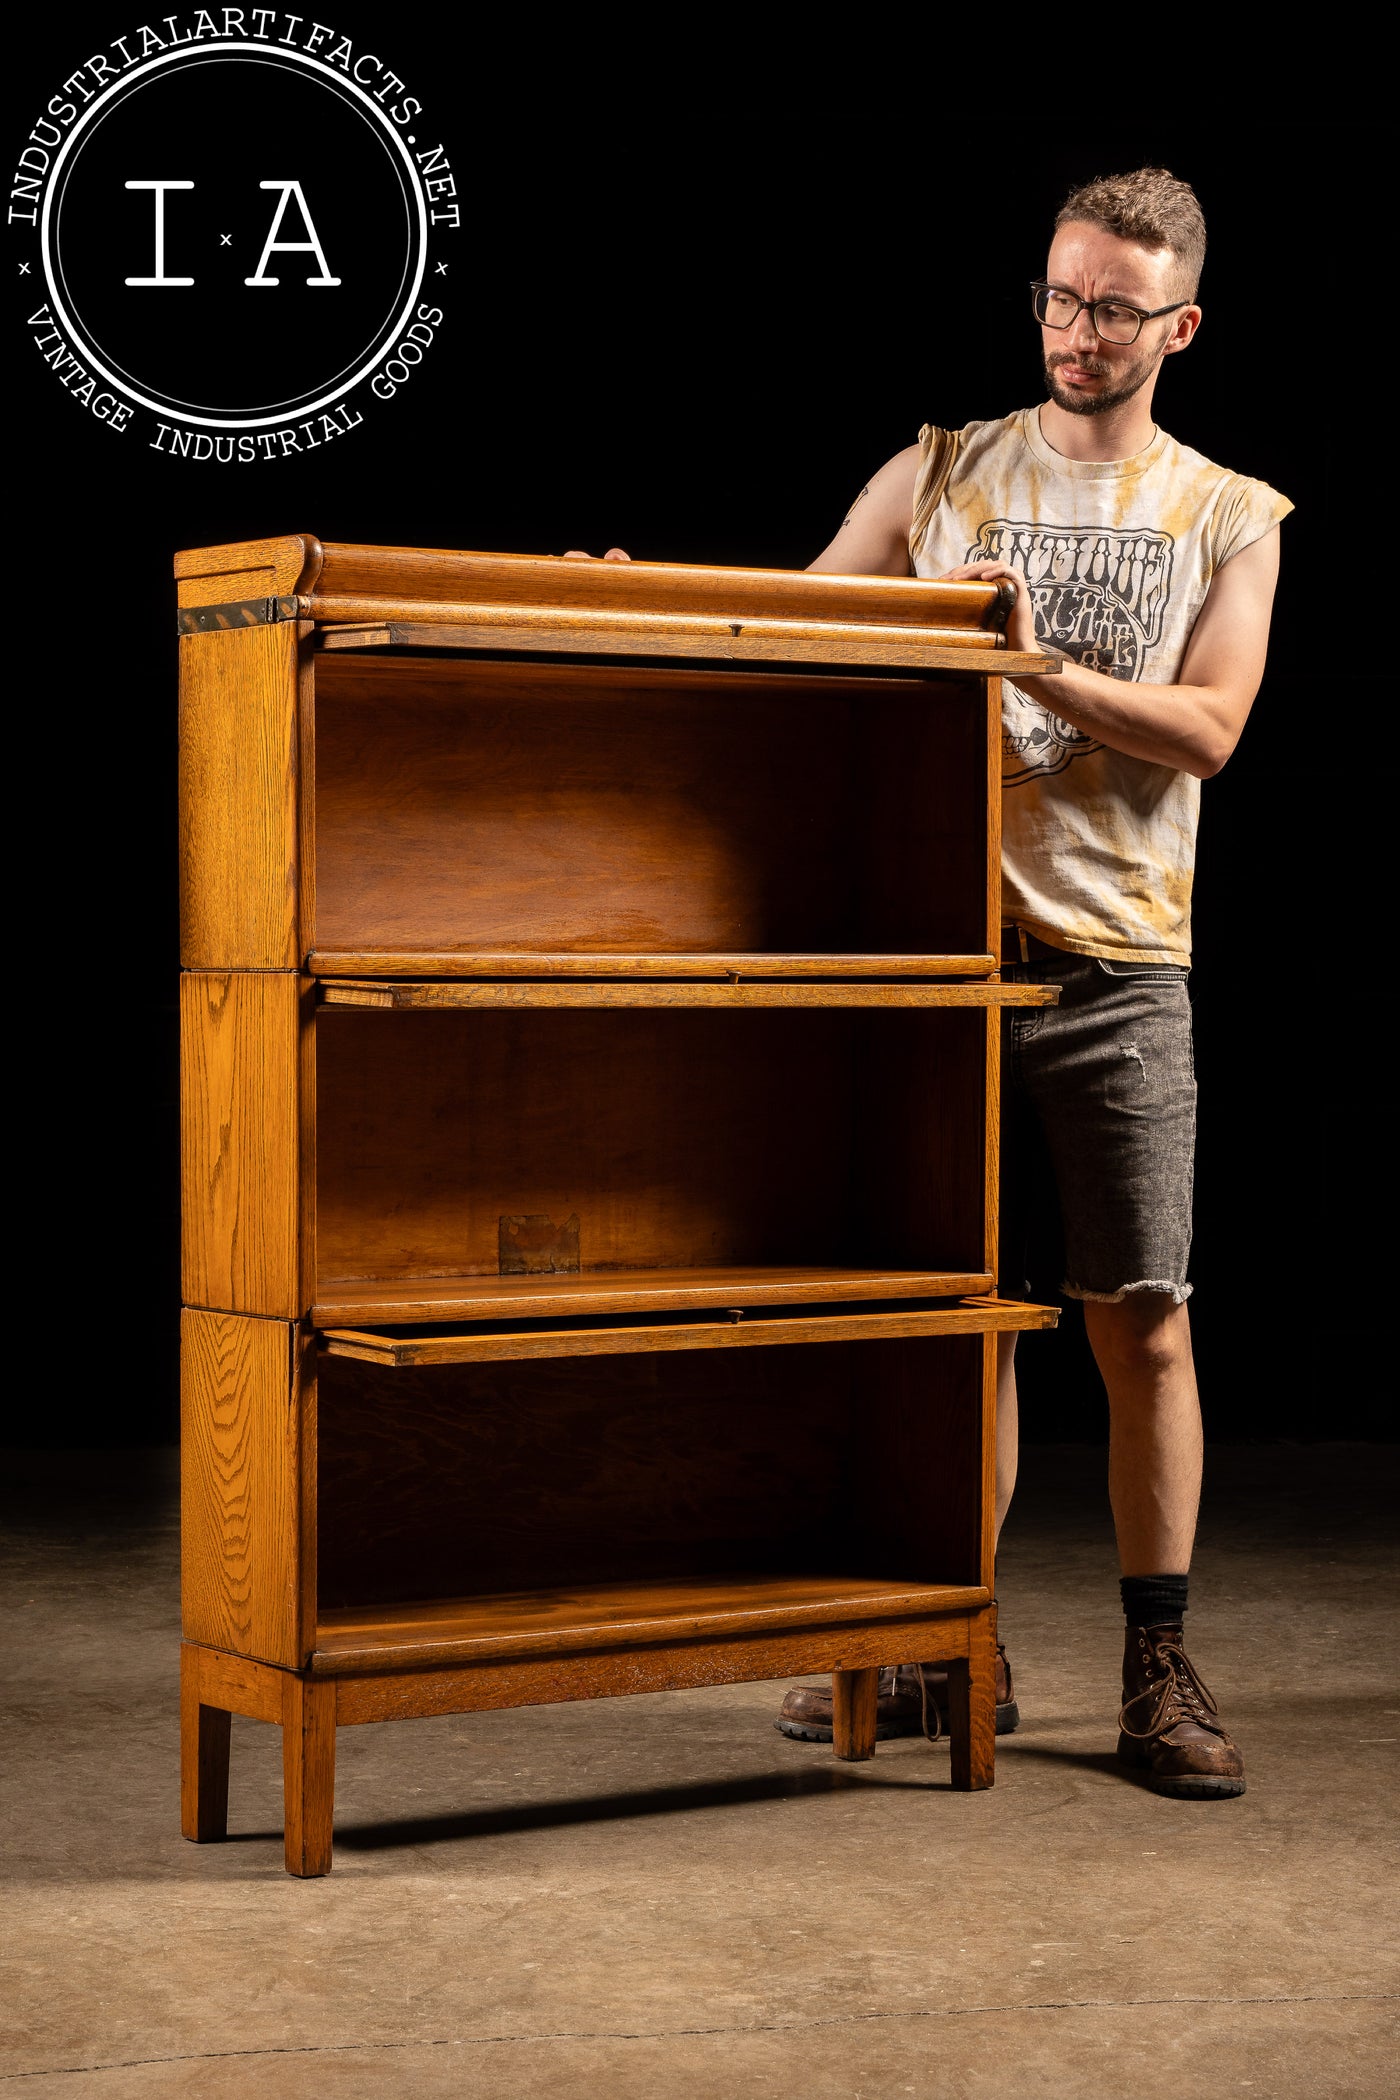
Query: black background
[[692, 326]]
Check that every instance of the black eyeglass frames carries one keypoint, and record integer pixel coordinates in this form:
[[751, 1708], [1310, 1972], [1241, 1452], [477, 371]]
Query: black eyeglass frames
[[1112, 320]]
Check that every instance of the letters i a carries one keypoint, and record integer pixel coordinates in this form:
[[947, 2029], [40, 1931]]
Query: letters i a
[[271, 246]]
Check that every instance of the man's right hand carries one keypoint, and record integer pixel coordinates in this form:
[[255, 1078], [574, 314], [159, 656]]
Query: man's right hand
[[613, 554]]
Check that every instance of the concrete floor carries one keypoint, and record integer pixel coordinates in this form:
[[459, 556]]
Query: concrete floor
[[659, 1895]]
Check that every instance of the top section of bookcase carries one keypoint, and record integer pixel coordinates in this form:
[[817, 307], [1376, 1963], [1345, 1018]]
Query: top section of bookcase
[[427, 598], [401, 762]]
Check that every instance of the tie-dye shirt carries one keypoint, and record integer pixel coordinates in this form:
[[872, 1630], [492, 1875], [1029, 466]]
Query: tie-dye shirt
[[1099, 849]]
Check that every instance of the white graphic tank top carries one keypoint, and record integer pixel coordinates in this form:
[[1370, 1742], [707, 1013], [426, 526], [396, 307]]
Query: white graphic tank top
[[1098, 849]]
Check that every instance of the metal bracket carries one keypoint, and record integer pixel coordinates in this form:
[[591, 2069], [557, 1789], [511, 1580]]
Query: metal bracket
[[243, 612]]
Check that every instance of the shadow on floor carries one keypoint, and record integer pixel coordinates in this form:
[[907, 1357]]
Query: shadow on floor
[[621, 1807]]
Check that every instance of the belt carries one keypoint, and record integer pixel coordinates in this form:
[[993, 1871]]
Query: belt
[[1019, 946]]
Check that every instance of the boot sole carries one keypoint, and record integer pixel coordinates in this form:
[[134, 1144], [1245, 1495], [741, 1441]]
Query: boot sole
[[1008, 1720], [1192, 1787]]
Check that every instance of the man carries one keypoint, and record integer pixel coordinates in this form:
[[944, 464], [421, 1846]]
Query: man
[[1151, 573]]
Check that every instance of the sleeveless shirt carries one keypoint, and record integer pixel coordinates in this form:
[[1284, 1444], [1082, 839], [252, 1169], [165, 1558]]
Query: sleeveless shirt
[[1098, 849]]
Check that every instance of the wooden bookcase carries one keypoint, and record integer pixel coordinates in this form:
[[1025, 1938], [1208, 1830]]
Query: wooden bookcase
[[590, 1021]]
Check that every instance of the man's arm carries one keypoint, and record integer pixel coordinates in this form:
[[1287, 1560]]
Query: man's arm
[[874, 539], [1194, 726]]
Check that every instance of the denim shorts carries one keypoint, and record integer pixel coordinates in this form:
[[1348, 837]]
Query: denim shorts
[[1103, 1087]]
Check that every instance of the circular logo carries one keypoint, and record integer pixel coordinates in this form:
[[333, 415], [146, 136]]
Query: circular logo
[[171, 216], [234, 235]]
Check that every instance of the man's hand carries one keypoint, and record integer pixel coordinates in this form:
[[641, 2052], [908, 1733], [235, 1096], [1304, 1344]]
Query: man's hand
[[613, 554], [1020, 626]]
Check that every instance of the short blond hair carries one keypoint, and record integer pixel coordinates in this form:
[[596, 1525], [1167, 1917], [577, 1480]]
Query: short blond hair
[[1151, 207]]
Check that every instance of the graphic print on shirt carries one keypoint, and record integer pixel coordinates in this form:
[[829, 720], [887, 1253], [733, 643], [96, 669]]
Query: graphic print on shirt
[[1099, 594]]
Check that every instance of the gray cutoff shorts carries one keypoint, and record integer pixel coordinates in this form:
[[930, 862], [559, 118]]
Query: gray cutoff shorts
[[1106, 1084]]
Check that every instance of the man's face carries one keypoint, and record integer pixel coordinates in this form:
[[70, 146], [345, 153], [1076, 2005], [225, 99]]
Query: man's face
[[1086, 376]]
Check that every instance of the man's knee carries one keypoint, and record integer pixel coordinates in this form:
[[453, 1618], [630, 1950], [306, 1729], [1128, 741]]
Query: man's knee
[[1146, 1332]]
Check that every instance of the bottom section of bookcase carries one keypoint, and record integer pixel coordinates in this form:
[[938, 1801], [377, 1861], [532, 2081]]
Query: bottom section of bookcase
[[378, 1526], [854, 1628]]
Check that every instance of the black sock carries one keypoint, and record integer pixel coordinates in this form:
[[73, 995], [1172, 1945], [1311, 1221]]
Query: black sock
[[1153, 1600]]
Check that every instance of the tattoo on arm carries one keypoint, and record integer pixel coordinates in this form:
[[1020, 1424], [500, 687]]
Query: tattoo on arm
[[852, 511]]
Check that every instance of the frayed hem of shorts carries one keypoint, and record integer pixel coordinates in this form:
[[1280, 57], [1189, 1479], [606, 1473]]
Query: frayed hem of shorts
[[1180, 1292]]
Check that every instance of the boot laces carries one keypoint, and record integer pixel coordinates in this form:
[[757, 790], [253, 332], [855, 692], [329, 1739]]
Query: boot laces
[[926, 1704], [1178, 1694]]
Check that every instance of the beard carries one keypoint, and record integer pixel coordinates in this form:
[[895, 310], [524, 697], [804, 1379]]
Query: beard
[[1131, 379]]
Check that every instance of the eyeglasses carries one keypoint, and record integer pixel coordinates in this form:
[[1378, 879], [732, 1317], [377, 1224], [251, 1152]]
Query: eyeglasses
[[1112, 321]]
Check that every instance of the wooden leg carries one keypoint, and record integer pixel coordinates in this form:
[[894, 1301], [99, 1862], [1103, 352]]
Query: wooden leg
[[308, 1772], [204, 1736], [972, 1708], [853, 1697]]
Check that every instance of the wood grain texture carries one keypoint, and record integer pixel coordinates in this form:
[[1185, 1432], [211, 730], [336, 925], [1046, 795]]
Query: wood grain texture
[[612, 1615], [617, 1673], [409, 1301], [972, 1722], [690, 637], [207, 575], [496, 963], [245, 1193], [308, 1774], [204, 1748], [854, 1706], [232, 1683], [1004, 1316], [557, 809], [238, 799], [421, 577], [681, 1139], [390, 997], [244, 1580]]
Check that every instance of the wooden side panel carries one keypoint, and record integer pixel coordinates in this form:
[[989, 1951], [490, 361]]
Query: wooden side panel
[[241, 1156], [238, 813], [246, 1572]]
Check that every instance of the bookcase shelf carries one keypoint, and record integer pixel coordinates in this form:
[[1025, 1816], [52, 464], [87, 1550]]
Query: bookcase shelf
[[562, 1620], [590, 1033], [408, 1301]]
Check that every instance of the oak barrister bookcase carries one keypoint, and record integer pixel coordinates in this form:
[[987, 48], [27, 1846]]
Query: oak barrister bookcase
[[590, 1023]]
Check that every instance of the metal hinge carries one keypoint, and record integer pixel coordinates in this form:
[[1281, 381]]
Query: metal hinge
[[243, 612]]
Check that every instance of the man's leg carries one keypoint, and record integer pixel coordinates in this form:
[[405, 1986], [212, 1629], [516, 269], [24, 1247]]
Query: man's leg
[[1142, 1346], [1169, 1727], [1008, 1426]]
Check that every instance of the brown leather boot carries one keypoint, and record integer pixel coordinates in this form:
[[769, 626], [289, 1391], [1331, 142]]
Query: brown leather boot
[[1169, 1726], [805, 1714], [1008, 1712], [903, 1708]]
